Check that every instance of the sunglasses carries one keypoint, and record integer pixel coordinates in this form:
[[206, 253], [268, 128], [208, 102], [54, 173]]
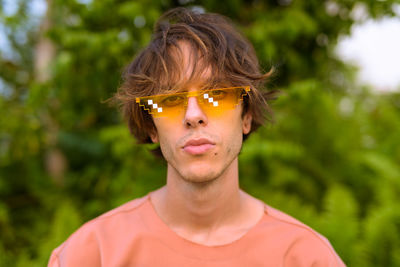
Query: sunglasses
[[213, 102]]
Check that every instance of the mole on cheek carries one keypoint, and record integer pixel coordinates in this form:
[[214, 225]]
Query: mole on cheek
[[215, 153]]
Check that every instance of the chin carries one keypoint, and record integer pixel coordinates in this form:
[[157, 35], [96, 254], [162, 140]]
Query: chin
[[199, 179], [200, 175]]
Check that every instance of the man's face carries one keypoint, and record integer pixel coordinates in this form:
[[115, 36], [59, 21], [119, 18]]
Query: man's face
[[198, 147]]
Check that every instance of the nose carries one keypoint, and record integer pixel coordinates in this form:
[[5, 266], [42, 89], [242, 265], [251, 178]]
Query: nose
[[194, 115]]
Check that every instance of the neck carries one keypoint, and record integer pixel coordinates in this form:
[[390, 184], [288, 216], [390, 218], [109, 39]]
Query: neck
[[201, 206]]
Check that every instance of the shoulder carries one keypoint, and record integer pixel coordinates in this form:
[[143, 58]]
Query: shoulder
[[304, 246], [83, 247]]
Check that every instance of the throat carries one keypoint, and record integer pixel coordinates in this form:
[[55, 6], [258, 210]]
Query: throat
[[207, 220]]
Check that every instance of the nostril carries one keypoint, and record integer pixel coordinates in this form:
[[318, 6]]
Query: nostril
[[201, 121]]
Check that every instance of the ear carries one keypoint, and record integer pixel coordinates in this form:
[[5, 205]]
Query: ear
[[246, 123], [154, 136]]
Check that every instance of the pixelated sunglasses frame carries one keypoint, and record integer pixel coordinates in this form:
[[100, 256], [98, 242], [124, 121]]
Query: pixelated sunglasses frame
[[190, 94]]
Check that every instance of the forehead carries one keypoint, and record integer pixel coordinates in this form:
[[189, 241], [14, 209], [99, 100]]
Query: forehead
[[193, 65], [193, 69]]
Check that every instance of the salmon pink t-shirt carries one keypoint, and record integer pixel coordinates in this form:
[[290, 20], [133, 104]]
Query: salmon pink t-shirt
[[134, 235]]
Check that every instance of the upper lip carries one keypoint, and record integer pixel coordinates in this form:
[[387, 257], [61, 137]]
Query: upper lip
[[198, 142]]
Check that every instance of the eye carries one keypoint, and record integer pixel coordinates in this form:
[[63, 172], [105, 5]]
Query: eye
[[217, 94], [172, 100]]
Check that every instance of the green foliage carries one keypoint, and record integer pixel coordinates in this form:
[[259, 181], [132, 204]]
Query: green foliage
[[330, 159]]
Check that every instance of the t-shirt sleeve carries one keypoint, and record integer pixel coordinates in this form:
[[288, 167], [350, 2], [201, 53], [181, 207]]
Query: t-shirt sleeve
[[53, 262], [80, 249], [312, 250]]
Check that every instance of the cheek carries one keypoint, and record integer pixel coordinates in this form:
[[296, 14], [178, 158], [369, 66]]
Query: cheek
[[167, 148], [233, 134], [164, 128], [167, 137]]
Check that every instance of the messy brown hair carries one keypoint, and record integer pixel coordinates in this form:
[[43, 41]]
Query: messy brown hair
[[215, 45]]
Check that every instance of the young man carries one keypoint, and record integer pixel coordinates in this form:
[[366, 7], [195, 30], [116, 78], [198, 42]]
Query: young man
[[194, 91]]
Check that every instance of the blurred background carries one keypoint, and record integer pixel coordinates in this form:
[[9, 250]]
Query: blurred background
[[331, 159]]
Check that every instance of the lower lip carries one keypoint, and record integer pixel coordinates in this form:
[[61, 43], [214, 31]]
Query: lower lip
[[197, 150]]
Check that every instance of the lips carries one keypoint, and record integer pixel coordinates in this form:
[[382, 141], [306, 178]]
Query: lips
[[198, 146]]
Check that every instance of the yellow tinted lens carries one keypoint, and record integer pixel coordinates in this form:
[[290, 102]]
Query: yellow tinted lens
[[164, 105], [214, 102]]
